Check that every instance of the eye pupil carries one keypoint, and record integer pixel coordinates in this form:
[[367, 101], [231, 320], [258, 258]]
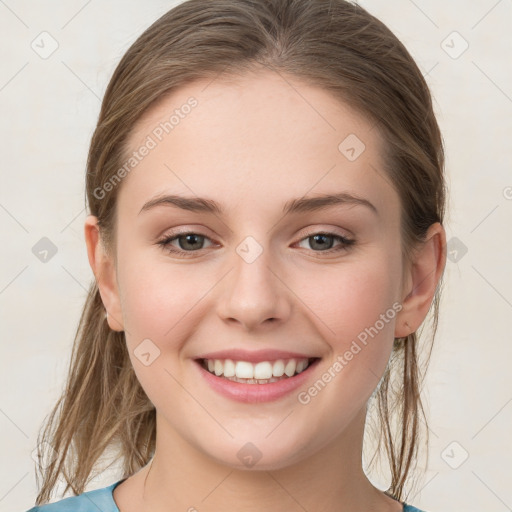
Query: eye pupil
[[321, 245], [188, 237]]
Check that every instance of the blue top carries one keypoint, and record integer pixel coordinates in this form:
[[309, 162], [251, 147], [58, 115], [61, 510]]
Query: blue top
[[102, 500]]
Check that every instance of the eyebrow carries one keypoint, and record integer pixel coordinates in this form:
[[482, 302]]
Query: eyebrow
[[301, 205]]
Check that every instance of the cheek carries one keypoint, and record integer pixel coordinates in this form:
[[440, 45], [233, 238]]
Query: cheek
[[355, 302], [359, 307], [160, 302], [158, 296]]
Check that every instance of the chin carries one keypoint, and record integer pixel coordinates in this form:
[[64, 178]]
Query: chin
[[257, 455]]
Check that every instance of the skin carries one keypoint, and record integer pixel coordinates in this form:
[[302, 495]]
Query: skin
[[252, 144]]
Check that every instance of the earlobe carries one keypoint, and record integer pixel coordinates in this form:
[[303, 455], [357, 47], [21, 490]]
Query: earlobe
[[103, 268], [423, 278]]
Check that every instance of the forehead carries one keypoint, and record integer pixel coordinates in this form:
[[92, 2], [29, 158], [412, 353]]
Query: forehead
[[254, 138]]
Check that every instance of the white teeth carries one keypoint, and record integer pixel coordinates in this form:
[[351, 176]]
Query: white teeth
[[229, 368], [290, 367], [263, 372], [278, 368], [243, 369]]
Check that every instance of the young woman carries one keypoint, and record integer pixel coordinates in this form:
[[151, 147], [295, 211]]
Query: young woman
[[266, 196]]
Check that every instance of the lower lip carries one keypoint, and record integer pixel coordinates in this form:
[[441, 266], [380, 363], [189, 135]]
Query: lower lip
[[254, 393]]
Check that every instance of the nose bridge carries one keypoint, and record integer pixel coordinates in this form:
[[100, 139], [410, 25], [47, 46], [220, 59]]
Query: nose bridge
[[253, 294]]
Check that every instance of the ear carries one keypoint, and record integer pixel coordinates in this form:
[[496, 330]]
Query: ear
[[103, 267], [421, 281]]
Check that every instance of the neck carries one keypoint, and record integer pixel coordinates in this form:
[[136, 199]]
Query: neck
[[332, 480]]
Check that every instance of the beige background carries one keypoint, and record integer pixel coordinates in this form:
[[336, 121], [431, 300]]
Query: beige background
[[49, 107]]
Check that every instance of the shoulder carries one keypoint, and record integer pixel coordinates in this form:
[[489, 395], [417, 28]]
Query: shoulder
[[410, 508], [90, 501]]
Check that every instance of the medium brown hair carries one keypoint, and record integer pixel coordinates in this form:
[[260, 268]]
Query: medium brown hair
[[332, 44]]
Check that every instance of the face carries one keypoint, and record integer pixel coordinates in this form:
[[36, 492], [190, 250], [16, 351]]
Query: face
[[266, 275]]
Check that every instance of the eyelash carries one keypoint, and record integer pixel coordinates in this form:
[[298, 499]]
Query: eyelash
[[165, 242]]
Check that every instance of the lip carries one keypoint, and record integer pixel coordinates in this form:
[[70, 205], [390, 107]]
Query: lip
[[255, 393], [255, 356]]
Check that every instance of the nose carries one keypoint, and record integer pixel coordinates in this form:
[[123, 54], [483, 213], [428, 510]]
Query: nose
[[254, 295]]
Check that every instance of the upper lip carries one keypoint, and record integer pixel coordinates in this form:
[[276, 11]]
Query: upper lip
[[254, 356]]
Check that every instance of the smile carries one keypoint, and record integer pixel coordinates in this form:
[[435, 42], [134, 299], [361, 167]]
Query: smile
[[262, 372], [262, 381]]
